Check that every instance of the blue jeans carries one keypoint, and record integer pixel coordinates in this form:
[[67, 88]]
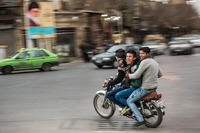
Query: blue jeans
[[111, 95], [136, 95], [123, 95]]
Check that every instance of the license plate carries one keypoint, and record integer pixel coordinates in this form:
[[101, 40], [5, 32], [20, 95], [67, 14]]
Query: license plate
[[160, 103], [98, 61]]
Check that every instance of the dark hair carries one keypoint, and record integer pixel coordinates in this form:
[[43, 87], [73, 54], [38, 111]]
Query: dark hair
[[120, 53], [146, 49], [134, 55], [132, 52], [33, 5]]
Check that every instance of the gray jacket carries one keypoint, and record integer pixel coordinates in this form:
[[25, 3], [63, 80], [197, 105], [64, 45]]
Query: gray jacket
[[150, 71]]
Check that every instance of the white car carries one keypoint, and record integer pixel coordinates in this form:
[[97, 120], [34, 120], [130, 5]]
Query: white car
[[180, 46], [155, 46], [193, 38]]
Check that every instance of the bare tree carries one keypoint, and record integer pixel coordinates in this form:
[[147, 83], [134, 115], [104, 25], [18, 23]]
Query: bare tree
[[169, 15]]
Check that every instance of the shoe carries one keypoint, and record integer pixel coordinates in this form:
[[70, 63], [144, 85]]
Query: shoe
[[131, 117], [137, 124], [124, 110], [127, 112]]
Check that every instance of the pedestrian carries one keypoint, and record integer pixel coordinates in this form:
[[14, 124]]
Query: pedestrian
[[85, 48]]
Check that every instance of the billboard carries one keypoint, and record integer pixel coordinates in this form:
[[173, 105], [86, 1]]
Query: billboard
[[39, 20]]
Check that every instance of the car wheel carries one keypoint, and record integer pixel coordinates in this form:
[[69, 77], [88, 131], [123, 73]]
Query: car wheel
[[191, 51], [46, 67], [99, 66], [115, 64], [6, 70], [171, 53]]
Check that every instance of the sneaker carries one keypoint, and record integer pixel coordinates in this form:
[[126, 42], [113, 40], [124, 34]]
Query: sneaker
[[133, 117], [128, 112], [137, 124], [124, 110]]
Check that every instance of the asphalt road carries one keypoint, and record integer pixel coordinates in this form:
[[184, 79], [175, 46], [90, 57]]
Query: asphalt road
[[60, 101]]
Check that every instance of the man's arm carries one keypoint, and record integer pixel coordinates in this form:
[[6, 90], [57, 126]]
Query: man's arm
[[118, 79], [159, 73], [137, 74]]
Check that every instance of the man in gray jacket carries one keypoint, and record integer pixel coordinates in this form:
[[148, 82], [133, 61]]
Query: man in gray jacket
[[150, 71]]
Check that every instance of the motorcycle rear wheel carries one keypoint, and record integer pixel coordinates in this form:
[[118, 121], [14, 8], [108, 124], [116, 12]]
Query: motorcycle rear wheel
[[104, 107], [153, 116]]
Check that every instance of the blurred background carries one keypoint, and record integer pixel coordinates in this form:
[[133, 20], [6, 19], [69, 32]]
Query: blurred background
[[37, 102], [100, 23]]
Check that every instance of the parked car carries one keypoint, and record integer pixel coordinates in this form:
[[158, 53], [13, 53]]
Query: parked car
[[108, 58], [180, 46], [155, 46], [27, 59], [193, 38]]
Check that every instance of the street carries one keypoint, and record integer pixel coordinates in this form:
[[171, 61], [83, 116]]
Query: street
[[61, 101]]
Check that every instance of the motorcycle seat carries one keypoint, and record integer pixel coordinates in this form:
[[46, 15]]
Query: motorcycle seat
[[150, 96]]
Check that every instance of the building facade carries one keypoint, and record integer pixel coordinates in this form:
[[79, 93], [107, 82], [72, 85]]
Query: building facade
[[101, 21], [8, 16], [72, 28]]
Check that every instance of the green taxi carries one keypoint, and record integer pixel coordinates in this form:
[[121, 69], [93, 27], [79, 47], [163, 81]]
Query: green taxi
[[27, 59]]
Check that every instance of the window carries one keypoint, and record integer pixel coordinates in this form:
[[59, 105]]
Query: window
[[24, 55], [39, 53]]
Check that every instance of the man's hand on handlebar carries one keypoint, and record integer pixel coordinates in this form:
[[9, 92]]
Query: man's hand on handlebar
[[105, 83]]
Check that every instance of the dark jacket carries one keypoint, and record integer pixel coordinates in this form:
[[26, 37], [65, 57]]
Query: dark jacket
[[135, 83], [120, 75], [127, 83]]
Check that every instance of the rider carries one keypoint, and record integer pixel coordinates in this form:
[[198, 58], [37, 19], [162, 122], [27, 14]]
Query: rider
[[120, 58], [150, 71], [132, 65]]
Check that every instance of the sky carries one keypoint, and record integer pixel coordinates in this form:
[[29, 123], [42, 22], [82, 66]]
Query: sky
[[196, 4]]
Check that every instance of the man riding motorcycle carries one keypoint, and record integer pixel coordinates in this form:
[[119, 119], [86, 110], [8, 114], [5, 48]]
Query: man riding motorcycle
[[120, 57], [144, 99], [150, 71], [133, 63]]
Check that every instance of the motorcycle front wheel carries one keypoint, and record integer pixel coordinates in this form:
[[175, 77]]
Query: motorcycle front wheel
[[153, 116], [103, 106]]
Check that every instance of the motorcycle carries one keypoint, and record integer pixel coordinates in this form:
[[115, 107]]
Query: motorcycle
[[151, 107]]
